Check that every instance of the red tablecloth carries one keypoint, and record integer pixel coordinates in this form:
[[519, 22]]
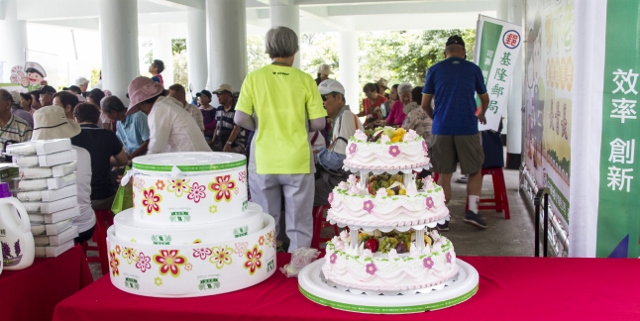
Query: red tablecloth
[[32, 293], [511, 288]]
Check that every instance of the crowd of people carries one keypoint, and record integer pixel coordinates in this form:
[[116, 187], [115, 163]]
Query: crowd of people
[[293, 129]]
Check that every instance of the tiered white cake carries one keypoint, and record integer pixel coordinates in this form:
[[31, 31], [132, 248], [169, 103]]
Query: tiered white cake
[[46, 187], [191, 231], [388, 215]]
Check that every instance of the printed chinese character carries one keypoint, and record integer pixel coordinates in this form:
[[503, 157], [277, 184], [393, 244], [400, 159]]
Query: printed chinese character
[[564, 122], [501, 73], [558, 118], [622, 151], [623, 109], [512, 40], [618, 178], [487, 61], [506, 57], [490, 53], [497, 90], [552, 116], [485, 74], [493, 106], [625, 78]]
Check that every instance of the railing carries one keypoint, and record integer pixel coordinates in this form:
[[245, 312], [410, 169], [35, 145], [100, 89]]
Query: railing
[[543, 194]]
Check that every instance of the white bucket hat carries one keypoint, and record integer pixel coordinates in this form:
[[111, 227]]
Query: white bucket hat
[[50, 122]]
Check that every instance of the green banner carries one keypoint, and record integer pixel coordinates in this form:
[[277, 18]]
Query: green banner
[[618, 217], [491, 33]]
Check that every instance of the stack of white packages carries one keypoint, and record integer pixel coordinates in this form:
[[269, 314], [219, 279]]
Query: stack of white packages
[[46, 186]]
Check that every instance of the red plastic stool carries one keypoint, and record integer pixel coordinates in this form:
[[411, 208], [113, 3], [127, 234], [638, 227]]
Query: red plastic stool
[[500, 201], [104, 219], [318, 224]]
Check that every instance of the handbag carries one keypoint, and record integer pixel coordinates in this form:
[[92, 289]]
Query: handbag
[[492, 147], [124, 196]]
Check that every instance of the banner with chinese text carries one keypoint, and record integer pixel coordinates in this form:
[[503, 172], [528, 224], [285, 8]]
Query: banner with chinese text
[[618, 228], [498, 46]]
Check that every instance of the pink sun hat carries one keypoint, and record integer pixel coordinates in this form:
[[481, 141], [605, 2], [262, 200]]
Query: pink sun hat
[[141, 89]]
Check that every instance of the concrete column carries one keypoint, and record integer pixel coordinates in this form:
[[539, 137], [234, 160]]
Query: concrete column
[[162, 50], [119, 34], [14, 33], [286, 15], [348, 75], [228, 43], [197, 49], [514, 109]]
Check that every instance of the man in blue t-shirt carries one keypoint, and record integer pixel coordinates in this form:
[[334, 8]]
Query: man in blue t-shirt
[[452, 84]]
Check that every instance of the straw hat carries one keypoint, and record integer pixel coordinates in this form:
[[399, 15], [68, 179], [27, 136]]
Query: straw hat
[[141, 89], [50, 122]]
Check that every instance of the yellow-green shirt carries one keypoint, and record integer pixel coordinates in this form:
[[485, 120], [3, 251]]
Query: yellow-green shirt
[[283, 99]]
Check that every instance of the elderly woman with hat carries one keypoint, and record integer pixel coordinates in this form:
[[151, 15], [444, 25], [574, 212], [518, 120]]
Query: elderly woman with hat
[[171, 128], [417, 119], [287, 105], [50, 122]]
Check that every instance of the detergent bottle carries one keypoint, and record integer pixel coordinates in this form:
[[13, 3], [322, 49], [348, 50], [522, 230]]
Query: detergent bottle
[[16, 240]]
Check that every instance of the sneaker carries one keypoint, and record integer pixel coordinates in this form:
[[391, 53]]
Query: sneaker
[[462, 179], [474, 219], [443, 227]]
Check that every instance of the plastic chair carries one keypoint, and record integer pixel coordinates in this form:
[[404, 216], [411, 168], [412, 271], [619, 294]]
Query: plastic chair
[[104, 219], [318, 224], [499, 201]]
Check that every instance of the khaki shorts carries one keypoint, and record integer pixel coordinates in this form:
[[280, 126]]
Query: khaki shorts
[[447, 150]]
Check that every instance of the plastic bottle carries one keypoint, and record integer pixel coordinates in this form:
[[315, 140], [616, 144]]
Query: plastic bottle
[[16, 240]]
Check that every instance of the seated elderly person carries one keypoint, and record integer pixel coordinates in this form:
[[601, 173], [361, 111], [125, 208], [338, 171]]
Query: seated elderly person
[[132, 130], [397, 115], [14, 128], [417, 119], [345, 124], [105, 150]]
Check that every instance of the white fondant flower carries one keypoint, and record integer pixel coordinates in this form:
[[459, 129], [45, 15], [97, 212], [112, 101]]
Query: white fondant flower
[[343, 185], [435, 236], [360, 135], [352, 180], [367, 253], [393, 254], [384, 139], [428, 183], [344, 236], [354, 189], [381, 192], [410, 136], [337, 243]]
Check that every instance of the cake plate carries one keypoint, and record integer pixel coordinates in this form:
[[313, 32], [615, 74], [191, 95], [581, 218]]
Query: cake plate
[[313, 286]]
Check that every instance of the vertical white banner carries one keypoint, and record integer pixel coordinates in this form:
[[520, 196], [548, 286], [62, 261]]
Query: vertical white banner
[[498, 46]]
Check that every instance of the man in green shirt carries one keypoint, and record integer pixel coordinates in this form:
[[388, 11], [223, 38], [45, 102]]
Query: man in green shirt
[[287, 105]]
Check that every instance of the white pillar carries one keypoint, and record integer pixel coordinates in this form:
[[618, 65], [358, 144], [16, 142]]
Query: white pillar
[[514, 109], [348, 57], [162, 50], [286, 15], [228, 41], [197, 49], [14, 33], [119, 34]]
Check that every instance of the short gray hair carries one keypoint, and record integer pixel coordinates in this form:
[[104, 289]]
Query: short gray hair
[[281, 42], [404, 87], [82, 81]]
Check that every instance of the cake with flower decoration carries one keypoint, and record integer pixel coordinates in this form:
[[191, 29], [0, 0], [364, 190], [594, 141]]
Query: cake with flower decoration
[[191, 231], [386, 150], [390, 214]]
